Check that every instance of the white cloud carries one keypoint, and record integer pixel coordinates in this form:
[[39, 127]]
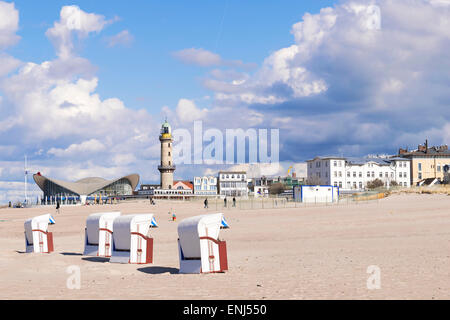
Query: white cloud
[[54, 106], [205, 58], [73, 20], [187, 111], [124, 38], [86, 147], [9, 23]]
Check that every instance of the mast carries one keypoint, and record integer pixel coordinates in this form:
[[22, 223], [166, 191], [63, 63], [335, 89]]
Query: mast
[[26, 174]]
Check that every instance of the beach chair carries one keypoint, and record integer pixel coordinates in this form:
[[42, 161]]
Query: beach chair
[[130, 241], [98, 234], [199, 247], [37, 237]]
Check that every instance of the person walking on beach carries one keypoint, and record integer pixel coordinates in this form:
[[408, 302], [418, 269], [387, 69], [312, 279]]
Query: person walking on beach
[[57, 207], [225, 202], [206, 202]]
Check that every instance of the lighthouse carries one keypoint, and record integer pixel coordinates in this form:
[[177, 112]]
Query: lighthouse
[[166, 168]]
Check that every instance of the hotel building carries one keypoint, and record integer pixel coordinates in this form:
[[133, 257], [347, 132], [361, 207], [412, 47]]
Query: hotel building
[[354, 173]]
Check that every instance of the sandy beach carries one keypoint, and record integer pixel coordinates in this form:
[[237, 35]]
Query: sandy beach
[[318, 252]]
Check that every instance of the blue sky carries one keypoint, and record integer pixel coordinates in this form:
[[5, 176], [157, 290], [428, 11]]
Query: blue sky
[[144, 74], [84, 86]]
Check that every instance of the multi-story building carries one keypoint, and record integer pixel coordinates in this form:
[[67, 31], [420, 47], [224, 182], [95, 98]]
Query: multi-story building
[[355, 173], [233, 184], [205, 186], [427, 163]]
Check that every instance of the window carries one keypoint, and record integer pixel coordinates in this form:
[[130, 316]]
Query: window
[[439, 168], [400, 175], [335, 183], [354, 174], [360, 185], [373, 174], [368, 174], [381, 174], [310, 165], [354, 185], [420, 175], [392, 174], [335, 174], [348, 174], [335, 163], [169, 153], [420, 166], [340, 174], [360, 174], [340, 184], [386, 175]]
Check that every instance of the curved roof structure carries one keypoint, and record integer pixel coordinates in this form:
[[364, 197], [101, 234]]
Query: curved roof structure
[[85, 186]]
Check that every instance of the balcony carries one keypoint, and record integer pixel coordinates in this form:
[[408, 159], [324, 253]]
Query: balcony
[[166, 168]]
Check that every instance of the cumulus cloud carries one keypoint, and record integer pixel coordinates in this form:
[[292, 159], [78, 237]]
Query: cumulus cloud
[[9, 23], [73, 20], [205, 58], [187, 111], [123, 38], [360, 77], [53, 112], [86, 147]]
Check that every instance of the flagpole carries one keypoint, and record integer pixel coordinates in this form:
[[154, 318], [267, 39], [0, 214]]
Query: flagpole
[[26, 173]]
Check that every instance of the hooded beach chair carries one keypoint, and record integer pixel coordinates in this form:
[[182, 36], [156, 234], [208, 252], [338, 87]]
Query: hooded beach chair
[[130, 241], [200, 250], [98, 234], [37, 237]]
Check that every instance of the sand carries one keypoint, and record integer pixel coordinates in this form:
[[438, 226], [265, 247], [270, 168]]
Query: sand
[[318, 252]]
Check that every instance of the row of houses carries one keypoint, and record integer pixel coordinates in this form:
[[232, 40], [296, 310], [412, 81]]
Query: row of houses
[[424, 165], [409, 168], [226, 184]]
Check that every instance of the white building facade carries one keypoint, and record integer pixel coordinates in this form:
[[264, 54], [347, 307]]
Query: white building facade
[[205, 186], [233, 184], [355, 173]]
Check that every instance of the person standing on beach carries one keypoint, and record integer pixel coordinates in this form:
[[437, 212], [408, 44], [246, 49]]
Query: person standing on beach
[[206, 203], [234, 202], [225, 202], [57, 206]]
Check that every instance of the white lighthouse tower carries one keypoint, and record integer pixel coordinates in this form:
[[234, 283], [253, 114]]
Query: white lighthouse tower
[[166, 168]]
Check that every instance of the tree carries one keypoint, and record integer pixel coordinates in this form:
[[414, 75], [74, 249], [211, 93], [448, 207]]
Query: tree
[[394, 184], [377, 183], [313, 181], [276, 188]]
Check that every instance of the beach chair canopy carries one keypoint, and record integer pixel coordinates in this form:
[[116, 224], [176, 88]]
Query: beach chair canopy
[[125, 225], [99, 220], [190, 230], [36, 223]]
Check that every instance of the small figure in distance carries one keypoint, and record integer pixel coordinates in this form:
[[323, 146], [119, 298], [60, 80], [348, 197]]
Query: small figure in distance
[[57, 206], [206, 202]]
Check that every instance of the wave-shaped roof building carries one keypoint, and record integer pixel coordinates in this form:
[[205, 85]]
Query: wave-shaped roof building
[[123, 186]]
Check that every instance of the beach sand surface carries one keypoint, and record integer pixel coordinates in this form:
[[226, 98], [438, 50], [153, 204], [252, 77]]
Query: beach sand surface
[[315, 252]]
